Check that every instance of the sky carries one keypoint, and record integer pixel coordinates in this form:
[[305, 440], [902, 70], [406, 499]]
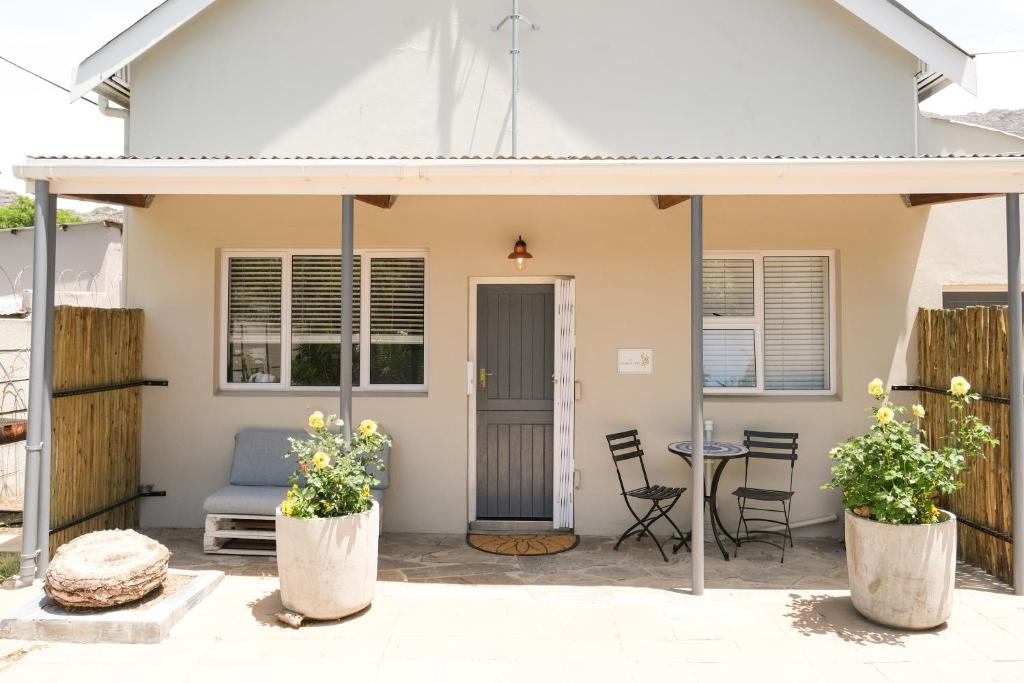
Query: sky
[[52, 36]]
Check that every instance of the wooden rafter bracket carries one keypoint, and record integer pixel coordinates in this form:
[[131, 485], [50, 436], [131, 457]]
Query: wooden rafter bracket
[[139, 201], [667, 201], [912, 200], [381, 201]]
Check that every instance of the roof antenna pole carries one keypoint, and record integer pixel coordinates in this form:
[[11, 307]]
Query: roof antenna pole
[[515, 18]]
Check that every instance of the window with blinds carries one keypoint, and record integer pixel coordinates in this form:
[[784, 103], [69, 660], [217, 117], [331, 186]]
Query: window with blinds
[[316, 319], [796, 322], [396, 320], [388, 319], [767, 323], [254, 320]]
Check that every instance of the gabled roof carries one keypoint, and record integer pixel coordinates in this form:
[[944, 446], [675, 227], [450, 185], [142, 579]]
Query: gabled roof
[[106, 70], [944, 60]]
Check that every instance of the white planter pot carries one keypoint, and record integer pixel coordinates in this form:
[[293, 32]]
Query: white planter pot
[[902, 575], [328, 567]]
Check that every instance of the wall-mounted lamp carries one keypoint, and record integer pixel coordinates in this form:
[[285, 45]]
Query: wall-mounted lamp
[[519, 253]]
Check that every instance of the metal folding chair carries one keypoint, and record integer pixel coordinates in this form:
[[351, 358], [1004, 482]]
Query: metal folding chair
[[626, 446], [766, 446]]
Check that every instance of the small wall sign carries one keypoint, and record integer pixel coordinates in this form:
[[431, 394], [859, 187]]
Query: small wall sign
[[636, 361]]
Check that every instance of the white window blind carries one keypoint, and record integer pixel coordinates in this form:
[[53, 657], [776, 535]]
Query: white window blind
[[316, 298], [729, 287], [282, 319], [316, 319], [397, 313], [729, 359], [254, 319], [796, 322], [768, 322]]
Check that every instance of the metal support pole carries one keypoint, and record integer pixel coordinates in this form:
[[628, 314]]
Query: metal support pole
[[697, 389], [347, 235], [1013, 281], [39, 390], [46, 455]]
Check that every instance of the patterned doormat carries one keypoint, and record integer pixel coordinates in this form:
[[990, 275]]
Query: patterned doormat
[[523, 544]]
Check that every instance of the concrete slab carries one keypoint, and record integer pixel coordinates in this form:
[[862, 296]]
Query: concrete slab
[[147, 621]]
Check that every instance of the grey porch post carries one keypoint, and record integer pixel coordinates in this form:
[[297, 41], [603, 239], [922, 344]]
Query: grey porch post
[[347, 234], [1013, 289], [35, 532], [697, 388]]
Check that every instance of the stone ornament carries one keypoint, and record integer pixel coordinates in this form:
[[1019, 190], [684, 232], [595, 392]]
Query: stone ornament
[[105, 569]]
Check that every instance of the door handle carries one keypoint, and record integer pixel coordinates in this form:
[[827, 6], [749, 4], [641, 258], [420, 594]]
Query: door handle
[[483, 377]]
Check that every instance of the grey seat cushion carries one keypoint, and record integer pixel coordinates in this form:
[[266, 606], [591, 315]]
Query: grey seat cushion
[[259, 457], [245, 500]]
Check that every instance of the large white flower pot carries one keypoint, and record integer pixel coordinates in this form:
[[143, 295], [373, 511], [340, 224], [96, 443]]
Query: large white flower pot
[[902, 575], [328, 567]]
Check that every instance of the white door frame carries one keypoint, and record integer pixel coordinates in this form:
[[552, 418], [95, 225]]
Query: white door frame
[[474, 284]]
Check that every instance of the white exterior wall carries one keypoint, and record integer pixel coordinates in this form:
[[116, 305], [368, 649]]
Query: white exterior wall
[[633, 299], [88, 267], [430, 77]]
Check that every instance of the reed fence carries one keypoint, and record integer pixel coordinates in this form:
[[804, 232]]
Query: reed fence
[[973, 342], [96, 436]]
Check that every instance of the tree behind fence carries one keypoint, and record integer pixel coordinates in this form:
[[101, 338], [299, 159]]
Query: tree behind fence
[[973, 342], [96, 436]]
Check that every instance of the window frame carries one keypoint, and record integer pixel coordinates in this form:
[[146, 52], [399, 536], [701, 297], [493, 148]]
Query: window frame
[[285, 385], [756, 322]]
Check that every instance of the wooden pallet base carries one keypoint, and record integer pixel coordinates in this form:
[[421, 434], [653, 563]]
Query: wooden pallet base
[[240, 535]]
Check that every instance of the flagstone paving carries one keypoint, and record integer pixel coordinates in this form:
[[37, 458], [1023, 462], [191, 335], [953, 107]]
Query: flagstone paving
[[447, 612]]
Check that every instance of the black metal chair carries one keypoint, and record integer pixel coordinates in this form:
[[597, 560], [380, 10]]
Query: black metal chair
[[626, 446], [766, 446]]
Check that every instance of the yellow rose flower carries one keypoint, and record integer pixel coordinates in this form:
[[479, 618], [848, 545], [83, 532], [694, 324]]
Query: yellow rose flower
[[958, 386], [316, 420], [320, 460], [286, 507], [918, 410], [368, 428], [876, 388], [366, 491], [884, 415]]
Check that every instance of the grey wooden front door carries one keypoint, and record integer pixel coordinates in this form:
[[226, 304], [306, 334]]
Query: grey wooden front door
[[515, 401]]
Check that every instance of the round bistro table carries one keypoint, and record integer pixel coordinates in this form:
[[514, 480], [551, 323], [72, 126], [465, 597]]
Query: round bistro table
[[723, 452]]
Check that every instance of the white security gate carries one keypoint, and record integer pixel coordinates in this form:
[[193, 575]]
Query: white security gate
[[565, 400]]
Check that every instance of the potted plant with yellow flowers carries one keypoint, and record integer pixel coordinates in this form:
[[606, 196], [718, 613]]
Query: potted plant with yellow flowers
[[900, 547], [328, 524]]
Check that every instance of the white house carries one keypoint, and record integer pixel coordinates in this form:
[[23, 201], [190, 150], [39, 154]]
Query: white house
[[796, 120]]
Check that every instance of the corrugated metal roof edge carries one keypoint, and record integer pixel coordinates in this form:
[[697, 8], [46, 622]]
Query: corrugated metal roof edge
[[1014, 155]]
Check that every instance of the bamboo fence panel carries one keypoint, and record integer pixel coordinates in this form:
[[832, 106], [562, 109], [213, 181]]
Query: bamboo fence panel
[[973, 342], [96, 436]]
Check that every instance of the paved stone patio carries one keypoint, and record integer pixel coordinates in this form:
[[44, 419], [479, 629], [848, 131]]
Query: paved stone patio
[[447, 612]]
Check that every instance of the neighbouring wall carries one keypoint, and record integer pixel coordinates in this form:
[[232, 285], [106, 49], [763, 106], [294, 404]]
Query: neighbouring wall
[[630, 262], [431, 77]]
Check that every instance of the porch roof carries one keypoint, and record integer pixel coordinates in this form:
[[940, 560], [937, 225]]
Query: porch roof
[[584, 175]]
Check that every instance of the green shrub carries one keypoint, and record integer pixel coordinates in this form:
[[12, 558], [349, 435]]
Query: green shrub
[[890, 475], [21, 213], [331, 479]]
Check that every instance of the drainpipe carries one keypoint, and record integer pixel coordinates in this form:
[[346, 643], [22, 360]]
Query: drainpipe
[[103, 104], [347, 235], [697, 390], [1013, 281], [35, 531]]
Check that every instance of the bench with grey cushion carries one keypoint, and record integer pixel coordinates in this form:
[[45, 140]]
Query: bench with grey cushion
[[239, 516]]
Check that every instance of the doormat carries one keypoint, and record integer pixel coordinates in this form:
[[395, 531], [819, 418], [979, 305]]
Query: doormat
[[523, 544]]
